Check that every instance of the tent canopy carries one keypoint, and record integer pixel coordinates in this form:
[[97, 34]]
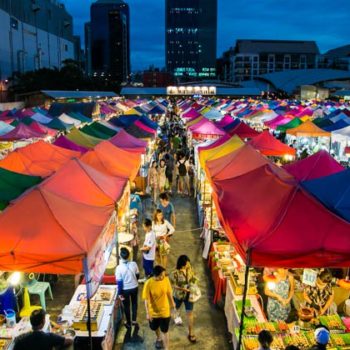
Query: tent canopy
[[21, 132], [206, 128], [267, 145], [290, 125], [82, 139], [308, 129], [38, 159], [317, 165], [244, 131], [63, 142]]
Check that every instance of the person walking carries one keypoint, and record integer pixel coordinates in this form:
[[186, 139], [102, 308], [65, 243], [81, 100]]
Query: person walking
[[148, 249], [191, 175], [127, 274], [167, 208], [169, 170], [182, 166], [180, 278], [158, 297], [153, 181], [162, 175], [163, 231]]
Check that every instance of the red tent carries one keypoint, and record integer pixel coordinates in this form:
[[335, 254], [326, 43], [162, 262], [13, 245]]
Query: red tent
[[317, 165], [244, 131], [266, 144], [266, 213]]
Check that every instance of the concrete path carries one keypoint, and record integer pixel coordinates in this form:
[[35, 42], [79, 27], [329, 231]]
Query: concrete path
[[210, 321]]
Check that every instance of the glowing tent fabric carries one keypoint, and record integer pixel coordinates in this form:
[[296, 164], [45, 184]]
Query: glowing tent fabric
[[21, 132], [128, 142], [267, 145], [41, 118], [54, 240], [264, 211], [37, 159], [112, 160], [244, 131], [333, 191], [82, 139], [226, 148], [317, 165], [215, 143], [63, 142], [65, 118], [5, 128], [290, 125], [14, 184], [226, 120], [57, 124], [308, 129], [205, 128], [144, 127], [43, 129]]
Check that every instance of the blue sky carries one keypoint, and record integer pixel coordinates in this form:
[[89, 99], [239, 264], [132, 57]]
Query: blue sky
[[325, 21]]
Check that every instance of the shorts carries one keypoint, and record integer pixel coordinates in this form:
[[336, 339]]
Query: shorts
[[188, 304], [162, 323], [147, 266]]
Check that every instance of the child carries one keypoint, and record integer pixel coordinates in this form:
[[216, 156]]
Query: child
[[148, 249]]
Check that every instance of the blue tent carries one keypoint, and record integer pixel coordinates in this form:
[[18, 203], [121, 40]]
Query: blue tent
[[124, 120], [156, 110], [145, 120], [333, 191], [232, 125], [340, 124]]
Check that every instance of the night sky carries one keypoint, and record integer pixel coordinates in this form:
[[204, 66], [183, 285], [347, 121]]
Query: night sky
[[325, 21]]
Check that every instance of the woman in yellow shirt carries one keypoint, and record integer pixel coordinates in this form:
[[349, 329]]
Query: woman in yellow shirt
[[158, 296]]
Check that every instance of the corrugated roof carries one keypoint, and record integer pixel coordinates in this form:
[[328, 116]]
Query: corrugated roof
[[276, 46], [290, 80], [78, 94], [343, 51], [341, 93]]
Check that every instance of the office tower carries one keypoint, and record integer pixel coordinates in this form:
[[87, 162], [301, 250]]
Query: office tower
[[110, 40], [191, 27]]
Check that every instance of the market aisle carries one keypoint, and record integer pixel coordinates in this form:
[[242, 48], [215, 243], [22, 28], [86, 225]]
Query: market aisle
[[210, 322]]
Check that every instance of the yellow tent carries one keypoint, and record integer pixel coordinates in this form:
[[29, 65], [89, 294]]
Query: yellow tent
[[132, 111], [194, 121], [82, 139], [308, 129], [213, 153], [205, 110]]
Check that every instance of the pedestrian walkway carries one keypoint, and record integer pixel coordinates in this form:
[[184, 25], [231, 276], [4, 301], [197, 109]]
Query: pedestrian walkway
[[210, 322]]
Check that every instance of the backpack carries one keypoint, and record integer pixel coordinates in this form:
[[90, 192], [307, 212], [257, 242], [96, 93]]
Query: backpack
[[182, 169]]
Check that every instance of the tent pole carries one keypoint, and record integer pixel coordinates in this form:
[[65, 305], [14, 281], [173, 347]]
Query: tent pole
[[245, 292], [88, 297]]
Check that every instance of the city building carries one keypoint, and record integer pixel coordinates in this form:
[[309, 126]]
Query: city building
[[154, 77], [251, 58], [108, 39], [338, 58], [35, 34], [191, 30]]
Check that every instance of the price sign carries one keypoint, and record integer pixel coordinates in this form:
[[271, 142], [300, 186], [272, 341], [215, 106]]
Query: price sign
[[296, 329], [309, 277]]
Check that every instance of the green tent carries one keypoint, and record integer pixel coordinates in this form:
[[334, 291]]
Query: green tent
[[79, 116], [57, 124], [91, 131], [104, 129], [83, 139], [13, 184], [292, 124]]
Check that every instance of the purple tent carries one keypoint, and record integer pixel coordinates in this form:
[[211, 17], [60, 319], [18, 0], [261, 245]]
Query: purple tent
[[63, 142], [125, 140], [21, 132]]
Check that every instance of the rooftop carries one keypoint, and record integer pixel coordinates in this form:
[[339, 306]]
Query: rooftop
[[78, 94]]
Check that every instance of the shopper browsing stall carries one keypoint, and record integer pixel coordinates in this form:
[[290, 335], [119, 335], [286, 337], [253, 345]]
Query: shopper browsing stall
[[148, 249], [158, 296], [163, 231], [280, 293], [322, 337], [320, 297], [127, 274]]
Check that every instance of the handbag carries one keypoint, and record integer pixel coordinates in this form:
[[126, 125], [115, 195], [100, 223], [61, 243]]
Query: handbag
[[195, 292]]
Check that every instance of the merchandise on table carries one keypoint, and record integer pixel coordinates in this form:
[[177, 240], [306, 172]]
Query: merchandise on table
[[80, 316]]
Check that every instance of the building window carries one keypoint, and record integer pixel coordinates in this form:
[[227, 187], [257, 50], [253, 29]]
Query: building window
[[286, 62], [271, 63], [302, 64], [65, 47]]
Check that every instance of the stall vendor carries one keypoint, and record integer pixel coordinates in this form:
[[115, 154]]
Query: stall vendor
[[280, 293], [321, 296]]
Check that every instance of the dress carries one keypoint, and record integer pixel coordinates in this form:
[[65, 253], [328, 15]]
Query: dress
[[275, 310], [161, 176], [153, 178]]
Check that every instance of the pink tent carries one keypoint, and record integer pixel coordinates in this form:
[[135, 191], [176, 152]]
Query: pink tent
[[191, 114], [36, 126], [318, 165], [63, 142], [216, 143], [21, 132], [226, 120], [205, 128], [279, 120], [127, 141], [144, 127]]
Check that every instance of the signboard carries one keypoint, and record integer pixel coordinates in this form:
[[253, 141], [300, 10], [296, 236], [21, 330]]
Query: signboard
[[98, 258], [309, 277]]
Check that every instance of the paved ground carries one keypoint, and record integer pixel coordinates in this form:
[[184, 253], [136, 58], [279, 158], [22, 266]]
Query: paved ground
[[210, 322]]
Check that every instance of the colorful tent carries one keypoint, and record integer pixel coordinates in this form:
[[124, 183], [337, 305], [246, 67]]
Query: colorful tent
[[290, 125], [244, 131], [194, 121], [214, 143], [36, 126], [333, 191], [41, 118], [14, 184], [21, 132], [128, 142], [138, 132], [144, 127], [112, 160], [269, 217], [226, 120], [317, 165], [268, 145], [308, 129], [37, 159], [62, 141], [82, 139], [5, 128], [57, 124], [205, 128], [216, 152], [65, 118]]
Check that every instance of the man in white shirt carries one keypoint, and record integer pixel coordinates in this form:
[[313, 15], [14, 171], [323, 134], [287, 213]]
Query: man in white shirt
[[127, 274], [148, 249]]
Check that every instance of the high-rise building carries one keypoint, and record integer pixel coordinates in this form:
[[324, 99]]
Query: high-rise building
[[191, 28], [35, 34], [110, 40]]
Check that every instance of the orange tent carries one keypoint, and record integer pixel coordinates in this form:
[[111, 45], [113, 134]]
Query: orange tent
[[79, 182], [38, 159], [112, 160], [43, 231], [308, 129]]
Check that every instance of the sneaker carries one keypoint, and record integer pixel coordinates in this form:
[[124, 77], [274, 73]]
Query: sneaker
[[159, 344], [142, 280]]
